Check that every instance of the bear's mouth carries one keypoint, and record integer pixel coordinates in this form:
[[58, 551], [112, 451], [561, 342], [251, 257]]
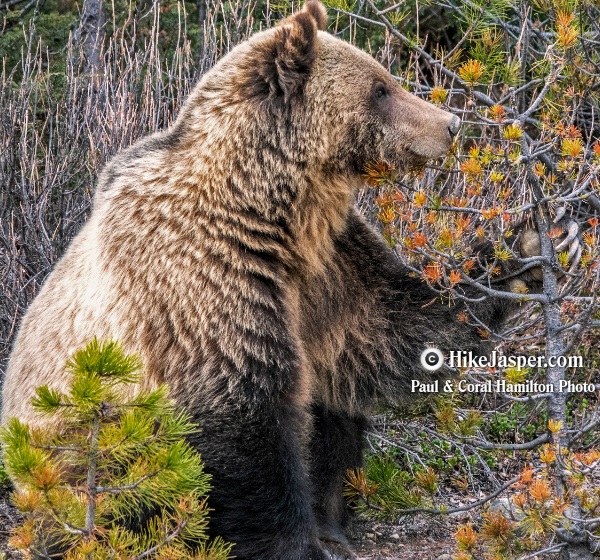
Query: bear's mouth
[[418, 160], [424, 155]]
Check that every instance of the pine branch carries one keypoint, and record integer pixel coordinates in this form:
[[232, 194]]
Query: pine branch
[[533, 444], [126, 487], [468, 507], [168, 539]]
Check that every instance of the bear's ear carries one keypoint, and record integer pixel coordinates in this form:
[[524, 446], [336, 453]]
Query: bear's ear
[[318, 12], [288, 58]]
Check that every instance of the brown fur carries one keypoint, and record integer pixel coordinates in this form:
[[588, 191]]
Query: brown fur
[[298, 202], [226, 253]]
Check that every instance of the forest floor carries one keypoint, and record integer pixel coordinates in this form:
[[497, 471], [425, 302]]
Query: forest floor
[[415, 539], [8, 519]]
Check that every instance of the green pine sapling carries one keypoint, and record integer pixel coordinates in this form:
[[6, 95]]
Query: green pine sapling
[[107, 453]]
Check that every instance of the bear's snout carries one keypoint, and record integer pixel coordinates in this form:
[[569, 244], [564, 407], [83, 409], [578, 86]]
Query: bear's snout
[[426, 130], [430, 129]]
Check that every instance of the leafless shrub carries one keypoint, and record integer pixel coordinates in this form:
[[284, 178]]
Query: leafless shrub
[[59, 126]]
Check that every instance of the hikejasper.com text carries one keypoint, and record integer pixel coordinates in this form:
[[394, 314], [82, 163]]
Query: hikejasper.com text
[[433, 359], [464, 359]]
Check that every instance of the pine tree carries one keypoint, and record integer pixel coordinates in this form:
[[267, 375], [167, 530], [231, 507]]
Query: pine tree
[[103, 457]]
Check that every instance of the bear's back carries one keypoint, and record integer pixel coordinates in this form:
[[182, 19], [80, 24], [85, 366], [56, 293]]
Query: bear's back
[[80, 299], [70, 309]]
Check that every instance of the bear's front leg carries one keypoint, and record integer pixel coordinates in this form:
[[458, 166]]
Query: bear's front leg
[[336, 446], [260, 496]]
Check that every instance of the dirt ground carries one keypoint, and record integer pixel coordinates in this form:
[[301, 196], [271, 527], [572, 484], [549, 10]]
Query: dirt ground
[[8, 518], [413, 539]]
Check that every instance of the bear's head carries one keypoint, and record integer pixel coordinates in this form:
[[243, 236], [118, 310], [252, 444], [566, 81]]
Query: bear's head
[[317, 100]]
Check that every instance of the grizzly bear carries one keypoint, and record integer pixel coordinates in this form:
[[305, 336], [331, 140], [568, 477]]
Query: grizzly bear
[[226, 252]]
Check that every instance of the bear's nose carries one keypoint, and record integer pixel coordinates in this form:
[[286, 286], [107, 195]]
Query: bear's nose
[[454, 126]]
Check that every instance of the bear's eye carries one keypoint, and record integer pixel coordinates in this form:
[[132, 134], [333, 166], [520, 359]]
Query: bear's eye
[[381, 91]]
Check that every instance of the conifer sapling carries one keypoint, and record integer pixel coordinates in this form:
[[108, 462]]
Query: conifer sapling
[[107, 453]]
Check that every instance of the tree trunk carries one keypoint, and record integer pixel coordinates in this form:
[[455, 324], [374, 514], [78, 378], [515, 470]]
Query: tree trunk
[[201, 11], [91, 32], [574, 536]]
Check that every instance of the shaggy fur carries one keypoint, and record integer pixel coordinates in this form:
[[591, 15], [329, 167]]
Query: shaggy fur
[[226, 253]]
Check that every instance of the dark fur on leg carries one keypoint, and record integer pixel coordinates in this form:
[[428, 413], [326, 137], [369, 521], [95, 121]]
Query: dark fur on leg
[[260, 496], [336, 446]]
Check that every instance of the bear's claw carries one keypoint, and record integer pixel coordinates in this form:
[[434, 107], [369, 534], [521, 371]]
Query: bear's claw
[[337, 551]]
